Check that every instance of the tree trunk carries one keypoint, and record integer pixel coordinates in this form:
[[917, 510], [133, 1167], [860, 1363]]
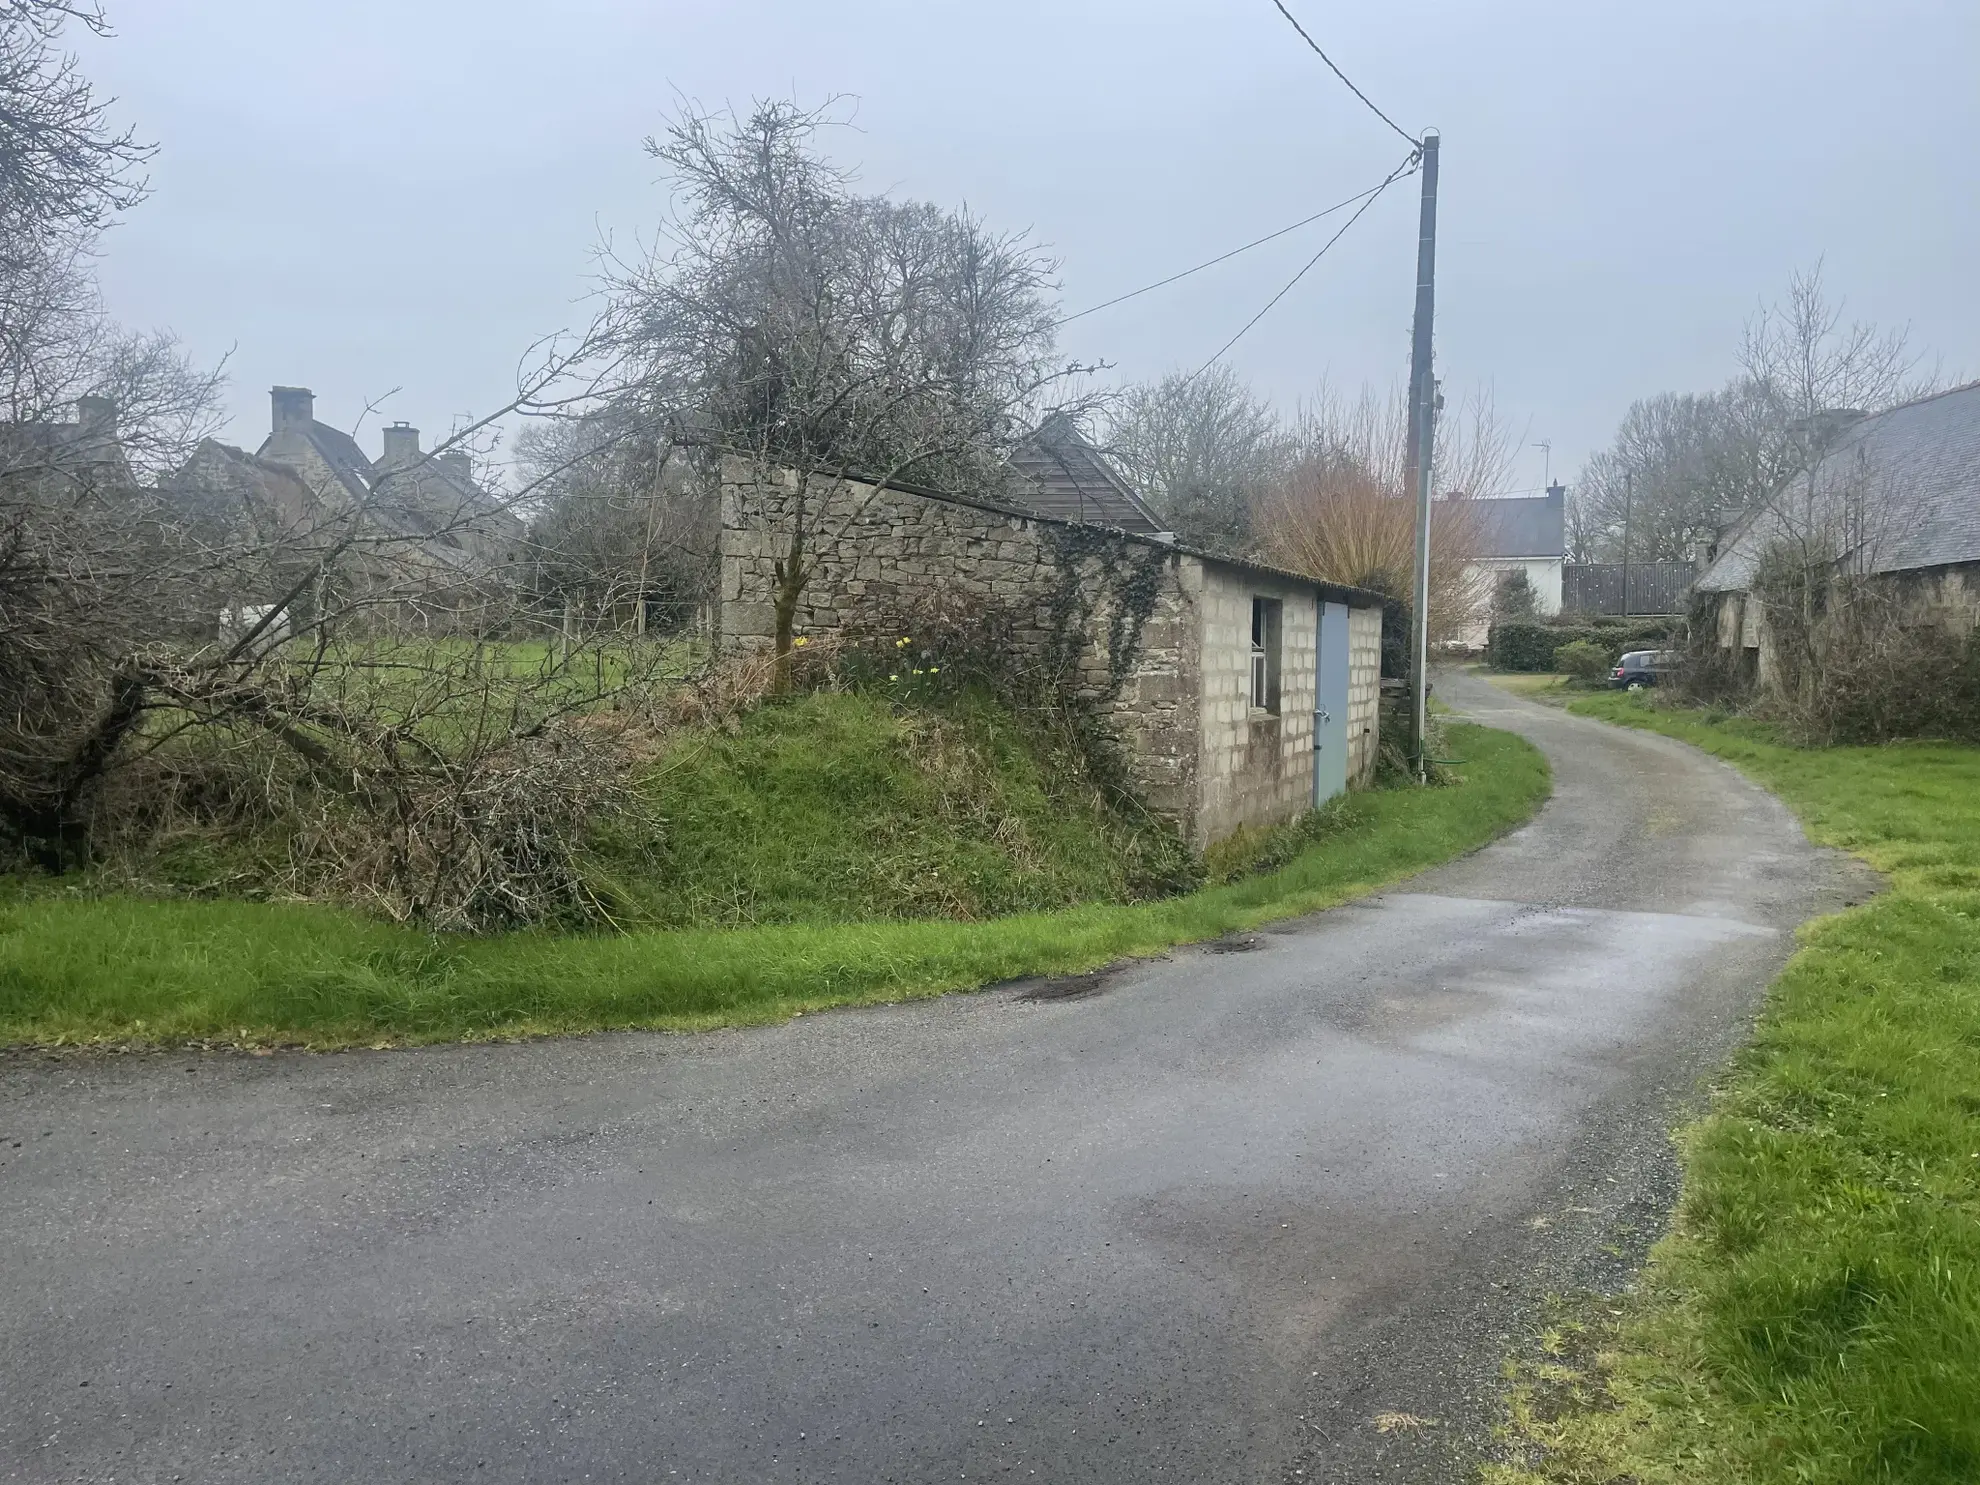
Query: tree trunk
[[54, 833], [791, 575]]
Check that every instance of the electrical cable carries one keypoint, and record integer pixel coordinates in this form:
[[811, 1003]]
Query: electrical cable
[[1413, 140], [1408, 167], [1221, 257]]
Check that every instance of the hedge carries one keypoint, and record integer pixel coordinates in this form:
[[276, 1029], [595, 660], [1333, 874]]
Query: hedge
[[1529, 644]]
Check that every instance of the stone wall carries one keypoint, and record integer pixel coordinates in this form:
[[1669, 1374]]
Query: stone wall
[[1157, 641], [1364, 694], [1094, 613], [1737, 620]]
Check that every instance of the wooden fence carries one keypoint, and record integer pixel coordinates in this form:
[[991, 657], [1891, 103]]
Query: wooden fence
[[1597, 587]]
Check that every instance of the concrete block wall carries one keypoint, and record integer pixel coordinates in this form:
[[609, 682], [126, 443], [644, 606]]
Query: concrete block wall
[[1255, 768], [1364, 694]]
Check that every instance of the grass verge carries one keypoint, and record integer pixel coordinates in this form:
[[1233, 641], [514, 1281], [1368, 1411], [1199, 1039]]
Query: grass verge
[[128, 971], [1522, 683], [1814, 1316]]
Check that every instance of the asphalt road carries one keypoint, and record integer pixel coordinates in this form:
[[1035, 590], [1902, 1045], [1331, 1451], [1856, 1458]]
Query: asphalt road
[[1231, 1216]]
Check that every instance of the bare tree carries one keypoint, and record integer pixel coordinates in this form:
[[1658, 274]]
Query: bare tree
[[815, 333], [1683, 466], [65, 170], [342, 668], [620, 506], [1202, 448], [1342, 512]]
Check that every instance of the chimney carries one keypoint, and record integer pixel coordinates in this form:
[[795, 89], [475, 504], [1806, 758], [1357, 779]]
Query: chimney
[[456, 463], [293, 409], [401, 445], [97, 416]]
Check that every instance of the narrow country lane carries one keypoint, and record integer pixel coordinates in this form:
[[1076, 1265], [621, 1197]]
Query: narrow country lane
[[1204, 1225]]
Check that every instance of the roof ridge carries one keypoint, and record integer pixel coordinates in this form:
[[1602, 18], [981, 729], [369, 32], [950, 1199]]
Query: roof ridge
[[1920, 401]]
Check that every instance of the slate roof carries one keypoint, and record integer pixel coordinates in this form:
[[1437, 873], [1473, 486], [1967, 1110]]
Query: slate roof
[[1918, 467], [1522, 525], [436, 505], [1060, 475], [433, 497], [346, 460]]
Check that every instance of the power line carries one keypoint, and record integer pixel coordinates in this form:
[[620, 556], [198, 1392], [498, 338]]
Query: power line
[[1221, 257], [1413, 140], [1407, 167]]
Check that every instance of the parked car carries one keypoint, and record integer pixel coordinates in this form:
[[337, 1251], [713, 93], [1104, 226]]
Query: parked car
[[1640, 668]]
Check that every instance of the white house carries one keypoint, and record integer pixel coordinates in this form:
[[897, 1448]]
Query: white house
[[1521, 533]]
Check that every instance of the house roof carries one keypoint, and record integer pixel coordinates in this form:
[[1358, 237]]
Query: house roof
[[428, 499], [1904, 483], [1523, 525], [1061, 475], [213, 461], [346, 460], [436, 497]]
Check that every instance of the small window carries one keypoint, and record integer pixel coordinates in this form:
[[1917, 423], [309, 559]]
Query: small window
[[1265, 614]]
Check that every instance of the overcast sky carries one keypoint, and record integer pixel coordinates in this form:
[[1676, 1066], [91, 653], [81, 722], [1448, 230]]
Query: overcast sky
[[367, 194]]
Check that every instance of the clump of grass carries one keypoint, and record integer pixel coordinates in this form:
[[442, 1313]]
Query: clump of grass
[[1815, 1315], [117, 969]]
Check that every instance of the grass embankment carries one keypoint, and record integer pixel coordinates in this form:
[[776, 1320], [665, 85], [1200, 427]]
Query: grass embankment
[[127, 970], [1815, 1314], [836, 806]]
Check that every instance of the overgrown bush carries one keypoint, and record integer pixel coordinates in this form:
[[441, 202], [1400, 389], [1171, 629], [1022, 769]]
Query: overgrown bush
[[1713, 675], [1584, 662], [1529, 645], [1857, 658], [945, 648]]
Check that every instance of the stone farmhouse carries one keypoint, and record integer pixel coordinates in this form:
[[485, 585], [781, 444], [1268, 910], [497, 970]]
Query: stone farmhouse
[[1242, 695], [58, 458], [430, 513], [432, 499], [1896, 497]]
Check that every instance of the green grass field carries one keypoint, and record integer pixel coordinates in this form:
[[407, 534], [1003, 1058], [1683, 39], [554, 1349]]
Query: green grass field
[[122, 970], [1814, 1318]]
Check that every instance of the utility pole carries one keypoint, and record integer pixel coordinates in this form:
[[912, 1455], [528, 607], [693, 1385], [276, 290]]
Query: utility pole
[[1417, 458], [1629, 499]]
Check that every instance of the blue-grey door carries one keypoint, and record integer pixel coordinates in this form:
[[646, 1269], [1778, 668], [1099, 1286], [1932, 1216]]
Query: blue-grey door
[[1330, 717]]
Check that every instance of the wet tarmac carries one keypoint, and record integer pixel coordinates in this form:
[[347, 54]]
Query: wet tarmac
[[1224, 1217]]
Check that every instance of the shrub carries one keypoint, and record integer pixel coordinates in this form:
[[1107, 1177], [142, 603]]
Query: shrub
[[1860, 659], [1529, 645], [1586, 662], [1513, 597]]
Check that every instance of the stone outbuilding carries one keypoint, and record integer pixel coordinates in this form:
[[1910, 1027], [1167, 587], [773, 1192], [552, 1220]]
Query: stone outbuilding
[[1895, 498], [1242, 695]]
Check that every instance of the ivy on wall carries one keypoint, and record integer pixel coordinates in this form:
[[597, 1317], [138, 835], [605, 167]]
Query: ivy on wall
[[1094, 566]]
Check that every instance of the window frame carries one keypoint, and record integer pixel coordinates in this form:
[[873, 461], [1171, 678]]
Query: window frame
[[1266, 653]]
